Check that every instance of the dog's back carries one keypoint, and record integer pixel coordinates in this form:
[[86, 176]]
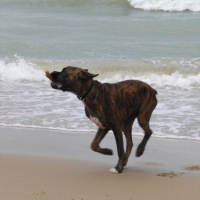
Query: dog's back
[[127, 98]]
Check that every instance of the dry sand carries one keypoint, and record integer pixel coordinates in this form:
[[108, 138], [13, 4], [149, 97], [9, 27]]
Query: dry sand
[[42, 164]]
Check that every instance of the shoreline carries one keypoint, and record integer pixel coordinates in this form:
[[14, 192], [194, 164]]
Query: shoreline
[[55, 165], [94, 131], [57, 144]]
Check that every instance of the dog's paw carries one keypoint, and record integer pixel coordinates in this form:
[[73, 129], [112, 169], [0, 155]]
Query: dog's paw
[[139, 151], [108, 152], [113, 171]]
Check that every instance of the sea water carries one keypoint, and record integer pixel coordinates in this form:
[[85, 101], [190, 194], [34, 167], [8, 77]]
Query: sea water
[[157, 42]]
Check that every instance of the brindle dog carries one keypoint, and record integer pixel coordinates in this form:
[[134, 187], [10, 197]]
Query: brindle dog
[[111, 107]]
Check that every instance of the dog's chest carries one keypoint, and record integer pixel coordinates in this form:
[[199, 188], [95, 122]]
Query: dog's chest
[[97, 122], [95, 119]]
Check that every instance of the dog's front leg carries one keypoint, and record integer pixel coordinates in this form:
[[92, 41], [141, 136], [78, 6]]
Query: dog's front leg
[[120, 150], [95, 143]]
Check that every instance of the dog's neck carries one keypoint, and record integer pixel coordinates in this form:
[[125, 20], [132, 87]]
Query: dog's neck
[[85, 91]]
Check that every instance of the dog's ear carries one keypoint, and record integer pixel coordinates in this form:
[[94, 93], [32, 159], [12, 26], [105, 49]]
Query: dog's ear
[[84, 75]]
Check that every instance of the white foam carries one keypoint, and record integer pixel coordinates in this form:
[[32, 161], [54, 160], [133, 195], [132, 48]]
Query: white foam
[[19, 70], [167, 5], [176, 79], [181, 73]]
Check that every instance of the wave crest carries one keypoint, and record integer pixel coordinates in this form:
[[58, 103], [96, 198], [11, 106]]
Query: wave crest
[[167, 5], [19, 70], [162, 73]]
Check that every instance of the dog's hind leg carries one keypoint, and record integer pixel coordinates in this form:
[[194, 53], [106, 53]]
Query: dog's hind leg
[[148, 133], [98, 138], [143, 120], [127, 129]]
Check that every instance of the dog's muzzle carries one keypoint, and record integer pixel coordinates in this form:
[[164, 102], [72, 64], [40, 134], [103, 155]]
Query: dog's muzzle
[[56, 85]]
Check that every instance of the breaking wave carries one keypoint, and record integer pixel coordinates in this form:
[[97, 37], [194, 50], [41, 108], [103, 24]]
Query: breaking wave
[[162, 73], [19, 70], [167, 5]]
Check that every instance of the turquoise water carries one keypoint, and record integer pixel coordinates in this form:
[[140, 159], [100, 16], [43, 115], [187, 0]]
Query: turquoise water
[[71, 30]]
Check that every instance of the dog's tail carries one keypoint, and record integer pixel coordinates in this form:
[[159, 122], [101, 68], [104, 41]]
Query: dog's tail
[[152, 99], [149, 100]]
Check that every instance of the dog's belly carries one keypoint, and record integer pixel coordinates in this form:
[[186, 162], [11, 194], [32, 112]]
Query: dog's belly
[[97, 122]]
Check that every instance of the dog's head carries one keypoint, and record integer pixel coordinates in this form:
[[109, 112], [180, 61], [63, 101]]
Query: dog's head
[[71, 79]]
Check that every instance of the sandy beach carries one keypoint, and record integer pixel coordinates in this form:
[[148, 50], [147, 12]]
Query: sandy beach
[[44, 164]]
